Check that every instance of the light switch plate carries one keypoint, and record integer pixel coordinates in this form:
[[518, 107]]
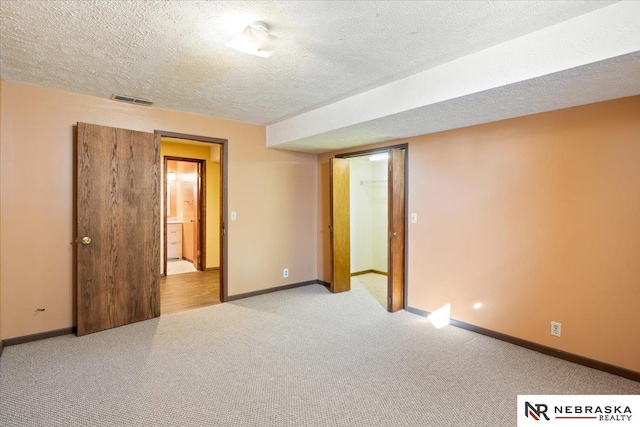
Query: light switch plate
[[233, 215]]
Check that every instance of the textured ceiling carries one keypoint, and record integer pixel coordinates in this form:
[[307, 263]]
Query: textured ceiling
[[173, 52], [577, 86], [590, 58]]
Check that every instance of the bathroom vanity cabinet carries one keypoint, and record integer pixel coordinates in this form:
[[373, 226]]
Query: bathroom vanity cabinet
[[174, 241]]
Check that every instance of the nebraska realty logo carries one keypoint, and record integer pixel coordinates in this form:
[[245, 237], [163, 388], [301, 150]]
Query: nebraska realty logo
[[576, 410]]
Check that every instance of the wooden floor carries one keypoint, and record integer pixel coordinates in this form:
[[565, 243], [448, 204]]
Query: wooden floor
[[181, 292]]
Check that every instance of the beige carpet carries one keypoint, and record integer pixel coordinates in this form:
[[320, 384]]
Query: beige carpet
[[375, 284], [300, 357]]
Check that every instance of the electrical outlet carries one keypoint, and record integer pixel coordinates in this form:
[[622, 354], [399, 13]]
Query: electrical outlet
[[285, 272], [556, 329]]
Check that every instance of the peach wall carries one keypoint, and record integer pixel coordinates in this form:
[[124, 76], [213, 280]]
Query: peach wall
[[212, 194], [536, 217], [274, 193]]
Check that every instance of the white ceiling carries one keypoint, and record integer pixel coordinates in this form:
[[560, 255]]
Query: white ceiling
[[173, 52]]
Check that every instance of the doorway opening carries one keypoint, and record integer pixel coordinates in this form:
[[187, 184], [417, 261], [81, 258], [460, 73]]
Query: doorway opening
[[369, 205], [192, 238], [185, 209], [368, 223]]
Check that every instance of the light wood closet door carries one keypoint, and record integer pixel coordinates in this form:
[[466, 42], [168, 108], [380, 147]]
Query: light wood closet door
[[397, 215], [340, 226]]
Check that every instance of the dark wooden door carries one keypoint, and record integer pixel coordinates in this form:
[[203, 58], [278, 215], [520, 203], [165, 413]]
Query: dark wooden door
[[340, 226], [397, 214], [198, 236], [118, 227]]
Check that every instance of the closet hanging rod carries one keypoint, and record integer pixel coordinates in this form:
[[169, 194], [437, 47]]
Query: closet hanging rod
[[373, 181]]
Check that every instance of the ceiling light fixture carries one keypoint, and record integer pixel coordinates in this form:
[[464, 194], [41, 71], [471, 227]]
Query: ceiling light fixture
[[254, 40], [378, 157]]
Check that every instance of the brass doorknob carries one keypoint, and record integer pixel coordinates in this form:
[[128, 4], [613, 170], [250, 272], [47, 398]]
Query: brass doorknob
[[86, 240]]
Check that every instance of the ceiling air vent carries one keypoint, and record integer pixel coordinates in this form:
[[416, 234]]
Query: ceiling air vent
[[131, 99]]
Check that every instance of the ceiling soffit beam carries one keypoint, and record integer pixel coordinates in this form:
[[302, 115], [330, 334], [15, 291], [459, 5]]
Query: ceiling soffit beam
[[596, 36]]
